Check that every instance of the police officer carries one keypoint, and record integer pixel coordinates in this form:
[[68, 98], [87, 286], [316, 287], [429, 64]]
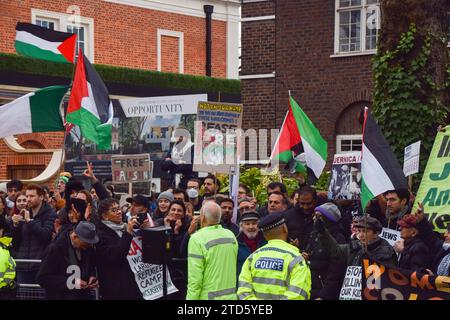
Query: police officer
[[7, 265], [276, 271], [212, 258]]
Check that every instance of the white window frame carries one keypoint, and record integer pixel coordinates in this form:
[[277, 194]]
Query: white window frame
[[363, 8], [341, 137], [175, 34], [62, 21]]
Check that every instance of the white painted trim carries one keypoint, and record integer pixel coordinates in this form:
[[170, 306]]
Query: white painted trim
[[257, 76], [62, 20], [267, 161], [341, 137], [353, 54], [176, 34], [187, 7], [232, 50], [251, 1], [260, 18]]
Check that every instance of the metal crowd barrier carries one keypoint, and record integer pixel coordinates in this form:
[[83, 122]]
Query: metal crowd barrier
[[33, 291]]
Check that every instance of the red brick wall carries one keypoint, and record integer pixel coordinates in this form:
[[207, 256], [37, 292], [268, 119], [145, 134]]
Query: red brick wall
[[169, 54], [127, 36], [123, 36], [300, 50]]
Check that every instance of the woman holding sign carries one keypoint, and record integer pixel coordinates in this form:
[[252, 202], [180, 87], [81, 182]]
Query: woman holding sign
[[117, 281]]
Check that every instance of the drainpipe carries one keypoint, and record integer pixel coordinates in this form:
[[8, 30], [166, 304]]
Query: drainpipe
[[208, 10]]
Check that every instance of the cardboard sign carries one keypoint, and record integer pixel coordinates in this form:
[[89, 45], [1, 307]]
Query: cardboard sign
[[216, 136], [149, 277], [391, 236], [345, 183], [411, 159], [384, 283], [351, 287], [131, 168], [434, 190]]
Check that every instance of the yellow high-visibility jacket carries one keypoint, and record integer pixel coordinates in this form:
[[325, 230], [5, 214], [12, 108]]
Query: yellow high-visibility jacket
[[276, 271], [7, 264], [212, 258]]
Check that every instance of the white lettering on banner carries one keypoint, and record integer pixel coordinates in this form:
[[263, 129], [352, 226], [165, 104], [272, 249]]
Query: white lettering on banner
[[168, 105], [149, 277], [390, 235], [352, 285]]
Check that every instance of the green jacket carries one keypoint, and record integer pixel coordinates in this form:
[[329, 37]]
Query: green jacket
[[212, 258], [276, 271], [7, 264]]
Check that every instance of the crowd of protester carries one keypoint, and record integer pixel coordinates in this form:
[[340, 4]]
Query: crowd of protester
[[93, 229]]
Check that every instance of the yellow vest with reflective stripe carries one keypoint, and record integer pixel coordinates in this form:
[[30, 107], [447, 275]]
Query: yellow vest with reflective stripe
[[7, 264], [276, 271], [212, 259]]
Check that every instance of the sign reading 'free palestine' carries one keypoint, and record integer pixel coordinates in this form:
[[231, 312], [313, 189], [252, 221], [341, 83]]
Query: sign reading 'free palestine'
[[131, 168]]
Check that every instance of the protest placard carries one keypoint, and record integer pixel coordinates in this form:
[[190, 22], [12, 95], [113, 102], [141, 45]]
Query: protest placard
[[149, 277], [411, 159], [390, 235], [216, 139], [345, 183], [351, 287], [131, 168], [434, 189]]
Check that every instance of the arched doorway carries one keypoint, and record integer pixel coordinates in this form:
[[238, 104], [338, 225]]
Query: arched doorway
[[348, 129]]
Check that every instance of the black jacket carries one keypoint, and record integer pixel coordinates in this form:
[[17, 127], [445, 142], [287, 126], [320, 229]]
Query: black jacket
[[327, 273], [415, 255], [176, 239], [299, 225], [31, 239], [53, 274], [433, 242], [230, 226], [116, 279]]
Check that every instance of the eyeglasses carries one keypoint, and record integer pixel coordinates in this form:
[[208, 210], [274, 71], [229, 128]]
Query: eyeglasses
[[12, 190], [115, 209]]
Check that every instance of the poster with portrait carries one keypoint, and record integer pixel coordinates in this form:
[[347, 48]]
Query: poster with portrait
[[216, 137], [345, 183]]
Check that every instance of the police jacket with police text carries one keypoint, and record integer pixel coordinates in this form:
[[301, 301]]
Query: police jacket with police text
[[276, 271]]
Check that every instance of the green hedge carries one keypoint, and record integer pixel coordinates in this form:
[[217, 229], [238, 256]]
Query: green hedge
[[155, 79]]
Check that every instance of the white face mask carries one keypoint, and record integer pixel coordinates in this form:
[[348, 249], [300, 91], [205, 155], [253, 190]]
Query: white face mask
[[446, 245], [192, 193]]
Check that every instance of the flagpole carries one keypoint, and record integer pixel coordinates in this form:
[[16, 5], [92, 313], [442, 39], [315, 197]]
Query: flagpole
[[279, 134], [63, 148]]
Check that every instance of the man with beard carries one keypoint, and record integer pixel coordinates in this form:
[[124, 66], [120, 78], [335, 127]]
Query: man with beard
[[227, 206], [299, 220], [33, 234], [211, 185], [397, 205], [249, 239]]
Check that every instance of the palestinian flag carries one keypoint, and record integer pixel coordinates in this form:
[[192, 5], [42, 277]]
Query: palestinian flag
[[89, 105], [42, 43], [299, 143], [380, 168], [38, 111]]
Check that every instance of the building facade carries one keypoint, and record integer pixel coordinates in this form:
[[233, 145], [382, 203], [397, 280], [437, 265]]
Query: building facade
[[320, 50], [151, 35]]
